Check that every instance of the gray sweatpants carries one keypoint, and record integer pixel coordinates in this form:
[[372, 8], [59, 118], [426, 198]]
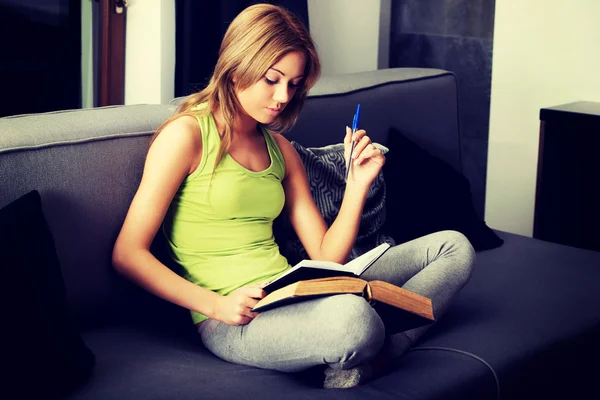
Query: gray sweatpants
[[344, 330]]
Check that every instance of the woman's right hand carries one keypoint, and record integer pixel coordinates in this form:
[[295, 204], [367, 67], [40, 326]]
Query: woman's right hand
[[234, 309]]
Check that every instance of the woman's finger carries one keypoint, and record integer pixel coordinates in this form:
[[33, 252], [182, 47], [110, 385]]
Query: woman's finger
[[361, 146], [348, 137], [254, 290], [371, 153], [347, 143], [244, 320], [359, 135], [246, 312]]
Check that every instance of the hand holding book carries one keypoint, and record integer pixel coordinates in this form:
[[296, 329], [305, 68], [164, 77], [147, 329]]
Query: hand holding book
[[237, 307]]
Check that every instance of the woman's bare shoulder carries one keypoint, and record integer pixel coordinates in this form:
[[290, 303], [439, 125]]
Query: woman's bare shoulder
[[293, 162], [185, 127], [181, 136], [286, 147]]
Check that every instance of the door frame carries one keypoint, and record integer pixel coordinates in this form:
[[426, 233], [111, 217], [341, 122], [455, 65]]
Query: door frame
[[111, 87]]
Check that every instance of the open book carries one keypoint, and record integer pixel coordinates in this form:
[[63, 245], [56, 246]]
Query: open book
[[312, 269], [374, 292]]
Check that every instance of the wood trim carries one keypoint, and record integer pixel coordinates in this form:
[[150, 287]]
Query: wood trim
[[538, 185], [112, 55]]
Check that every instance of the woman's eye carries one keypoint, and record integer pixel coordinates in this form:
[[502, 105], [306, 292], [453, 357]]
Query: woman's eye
[[291, 85]]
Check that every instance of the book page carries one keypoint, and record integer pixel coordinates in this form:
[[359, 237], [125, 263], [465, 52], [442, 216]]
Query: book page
[[360, 264], [327, 265], [321, 264], [311, 269], [310, 289]]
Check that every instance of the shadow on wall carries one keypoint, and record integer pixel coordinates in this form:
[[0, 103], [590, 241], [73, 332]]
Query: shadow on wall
[[40, 68], [455, 35]]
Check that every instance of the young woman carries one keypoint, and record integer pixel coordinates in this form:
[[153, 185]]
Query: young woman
[[216, 176]]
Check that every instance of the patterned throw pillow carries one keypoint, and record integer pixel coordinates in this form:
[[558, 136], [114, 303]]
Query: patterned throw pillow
[[325, 167]]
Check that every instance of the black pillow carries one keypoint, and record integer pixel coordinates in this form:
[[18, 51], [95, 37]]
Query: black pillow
[[426, 195], [46, 354]]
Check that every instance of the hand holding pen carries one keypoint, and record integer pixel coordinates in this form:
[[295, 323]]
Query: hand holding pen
[[364, 160]]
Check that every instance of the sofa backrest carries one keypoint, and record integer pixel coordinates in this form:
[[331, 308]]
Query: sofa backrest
[[87, 163], [420, 103]]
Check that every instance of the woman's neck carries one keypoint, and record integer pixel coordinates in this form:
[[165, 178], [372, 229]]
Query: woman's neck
[[243, 125]]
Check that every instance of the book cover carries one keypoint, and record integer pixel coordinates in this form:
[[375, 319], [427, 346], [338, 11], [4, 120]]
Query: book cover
[[400, 308]]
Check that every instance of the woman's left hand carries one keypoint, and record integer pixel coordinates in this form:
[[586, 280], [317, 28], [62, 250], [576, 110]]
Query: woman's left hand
[[367, 160]]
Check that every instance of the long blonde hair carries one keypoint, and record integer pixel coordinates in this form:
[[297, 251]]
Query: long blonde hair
[[255, 40]]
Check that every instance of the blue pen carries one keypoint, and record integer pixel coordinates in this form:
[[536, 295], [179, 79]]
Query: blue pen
[[354, 126]]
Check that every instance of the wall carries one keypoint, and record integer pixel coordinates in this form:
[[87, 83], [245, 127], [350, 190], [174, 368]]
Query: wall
[[150, 52], [350, 35], [455, 35], [87, 55], [546, 53]]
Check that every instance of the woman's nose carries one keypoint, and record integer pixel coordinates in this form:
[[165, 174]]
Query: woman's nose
[[282, 94]]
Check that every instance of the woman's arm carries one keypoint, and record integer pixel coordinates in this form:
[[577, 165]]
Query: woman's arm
[[174, 154], [335, 243]]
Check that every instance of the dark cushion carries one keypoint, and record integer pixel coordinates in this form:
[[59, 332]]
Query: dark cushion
[[46, 353], [325, 168], [426, 195]]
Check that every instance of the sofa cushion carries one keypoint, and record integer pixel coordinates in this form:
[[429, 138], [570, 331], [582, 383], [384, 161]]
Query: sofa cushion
[[531, 311], [325, 168], [141, 364], [45, 350], [426, 195], [521, 314]]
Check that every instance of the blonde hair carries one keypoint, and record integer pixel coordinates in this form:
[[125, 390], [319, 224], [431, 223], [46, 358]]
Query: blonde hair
[[255, 40]]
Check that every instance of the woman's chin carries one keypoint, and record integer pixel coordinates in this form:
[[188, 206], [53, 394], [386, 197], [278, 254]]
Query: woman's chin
[[266, 120]]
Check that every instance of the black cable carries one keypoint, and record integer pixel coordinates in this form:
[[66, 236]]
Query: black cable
[[467, 354]]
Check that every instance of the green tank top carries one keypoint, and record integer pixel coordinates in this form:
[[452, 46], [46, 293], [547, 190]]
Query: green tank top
[[223, 236]]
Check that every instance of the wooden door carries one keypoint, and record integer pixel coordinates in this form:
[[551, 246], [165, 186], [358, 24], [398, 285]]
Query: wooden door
[[111, 86]]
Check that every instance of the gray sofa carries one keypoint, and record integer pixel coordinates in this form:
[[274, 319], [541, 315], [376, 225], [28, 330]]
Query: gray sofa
[[526, 325]]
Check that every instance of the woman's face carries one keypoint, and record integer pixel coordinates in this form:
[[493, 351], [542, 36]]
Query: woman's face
[[264, 100]]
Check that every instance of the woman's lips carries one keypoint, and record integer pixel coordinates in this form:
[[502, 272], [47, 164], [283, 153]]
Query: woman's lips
[[273, 111]]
